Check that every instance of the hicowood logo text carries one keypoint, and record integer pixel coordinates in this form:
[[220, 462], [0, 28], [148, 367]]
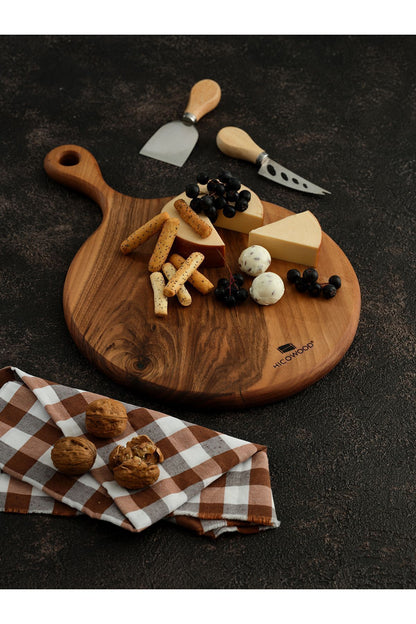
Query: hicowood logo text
[[292, 352]]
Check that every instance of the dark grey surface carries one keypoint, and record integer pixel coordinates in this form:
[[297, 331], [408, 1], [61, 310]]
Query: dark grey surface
[[340, 111]]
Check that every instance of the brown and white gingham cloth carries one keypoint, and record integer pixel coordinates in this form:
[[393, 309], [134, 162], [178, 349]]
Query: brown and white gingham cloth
[[209, 482]]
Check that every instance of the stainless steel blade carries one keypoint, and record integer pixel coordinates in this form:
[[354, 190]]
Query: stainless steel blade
[[273, 171], [172, 143]]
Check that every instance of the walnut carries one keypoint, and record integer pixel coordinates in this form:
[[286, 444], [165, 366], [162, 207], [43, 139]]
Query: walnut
[[135, 465], [73, 455], [135, 473], [119, 455], [143, 447], [106, 418]]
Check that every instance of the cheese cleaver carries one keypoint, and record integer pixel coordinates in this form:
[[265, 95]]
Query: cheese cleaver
[[174, 141], [238, 144]]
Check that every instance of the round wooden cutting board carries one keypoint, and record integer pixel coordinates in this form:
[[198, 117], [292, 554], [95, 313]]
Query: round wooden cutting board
[[206, 354]]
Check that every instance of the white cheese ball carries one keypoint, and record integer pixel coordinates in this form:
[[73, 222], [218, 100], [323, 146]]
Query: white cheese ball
[[254, 260], [267, 288]]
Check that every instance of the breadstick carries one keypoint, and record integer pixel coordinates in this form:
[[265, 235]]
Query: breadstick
[[164, 244], [144, 232], [182, 274], [197, 279], [190, 217], [160, 300], [183, 295]]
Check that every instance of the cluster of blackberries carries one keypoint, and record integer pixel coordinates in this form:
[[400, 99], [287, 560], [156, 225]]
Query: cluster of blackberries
[[231, 291], [308, 282], [223, 194]]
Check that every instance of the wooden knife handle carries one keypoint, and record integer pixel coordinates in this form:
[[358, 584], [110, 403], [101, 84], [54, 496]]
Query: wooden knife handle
[[76, 167], [203, 98], [238, 144]]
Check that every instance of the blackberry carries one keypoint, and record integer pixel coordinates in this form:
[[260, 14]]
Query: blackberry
[[241, 205], [245, 195], [224, 176], [211, 213], [230, 291], [238, 279], [192, 190], [231, 196], [196, 205], [293, 275], [308, 282], [241, 295], [329, 291], [310, 275], [314, 290], [229, 211], [301, 285], [229, 300], [220, 292], [212, 186], [335, 280], [223, 194], [202, 178], [206, 201], [220, 202], [233, 184], [223, 282]]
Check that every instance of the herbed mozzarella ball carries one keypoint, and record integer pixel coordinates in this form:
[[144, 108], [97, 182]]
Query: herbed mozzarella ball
[[267, 288], [254, 260]]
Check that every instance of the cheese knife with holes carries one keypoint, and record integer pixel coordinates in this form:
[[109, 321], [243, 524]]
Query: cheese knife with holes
[[237, 143]]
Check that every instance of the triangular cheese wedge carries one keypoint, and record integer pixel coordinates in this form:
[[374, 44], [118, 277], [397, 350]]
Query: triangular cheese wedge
[[296, 238], [187, 240], [213, 247], [245, 221]]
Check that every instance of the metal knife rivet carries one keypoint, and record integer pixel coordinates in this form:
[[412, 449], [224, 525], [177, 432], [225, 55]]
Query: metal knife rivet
[[284, 176], [295, 180]]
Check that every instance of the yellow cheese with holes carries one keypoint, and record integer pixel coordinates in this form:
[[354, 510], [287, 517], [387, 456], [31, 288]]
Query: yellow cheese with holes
[[296, 238]]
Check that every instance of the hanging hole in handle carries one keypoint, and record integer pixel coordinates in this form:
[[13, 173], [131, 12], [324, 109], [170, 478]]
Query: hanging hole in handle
[[69, 159]]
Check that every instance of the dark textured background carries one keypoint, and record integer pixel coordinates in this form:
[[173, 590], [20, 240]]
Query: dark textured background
[[338, 110]]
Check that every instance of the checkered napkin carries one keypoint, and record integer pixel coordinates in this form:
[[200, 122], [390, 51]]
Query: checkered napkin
[[209, 482]]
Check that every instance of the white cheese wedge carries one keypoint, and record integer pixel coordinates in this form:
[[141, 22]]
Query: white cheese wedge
[[213, 247], [296, 238]]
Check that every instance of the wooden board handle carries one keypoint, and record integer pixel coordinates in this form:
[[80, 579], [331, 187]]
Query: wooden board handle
[[76, 167], [204, 97], [238, 144]]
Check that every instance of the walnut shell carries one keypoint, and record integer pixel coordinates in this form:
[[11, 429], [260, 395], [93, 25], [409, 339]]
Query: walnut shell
[[134, 473], [143, 447], [106, 418], [119, 455], [73, 455], [135, 465]]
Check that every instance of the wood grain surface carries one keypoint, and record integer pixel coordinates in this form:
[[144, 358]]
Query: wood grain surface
[[204, 355]]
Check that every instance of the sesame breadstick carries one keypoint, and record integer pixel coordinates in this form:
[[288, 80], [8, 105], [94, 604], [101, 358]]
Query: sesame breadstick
[[190, 217], [183, 295], [197, 279], [182, 274], [143, 233], [164, 244], [160, 300]]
